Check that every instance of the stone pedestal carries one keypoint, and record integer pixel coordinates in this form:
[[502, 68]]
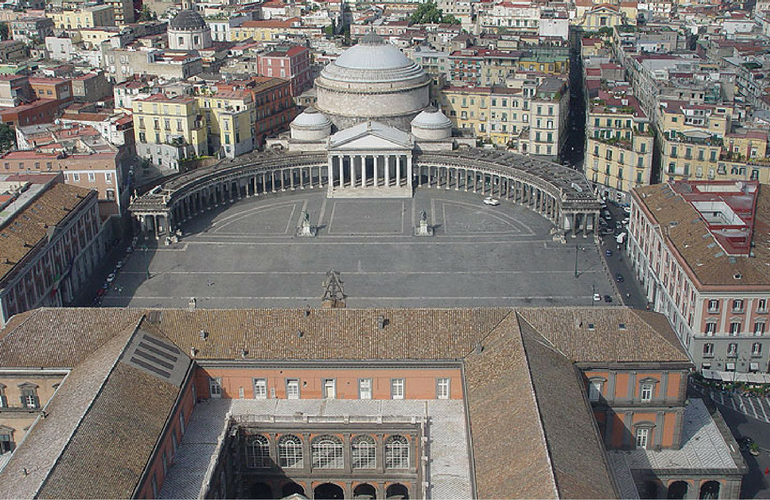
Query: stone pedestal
[[305, 229], [423, 229]]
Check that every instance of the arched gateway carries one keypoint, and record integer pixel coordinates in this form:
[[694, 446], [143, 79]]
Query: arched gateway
[[374, 136]]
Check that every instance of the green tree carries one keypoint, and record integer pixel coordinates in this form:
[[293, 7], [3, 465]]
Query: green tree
[[428, 13], [329, 30], [147, 15], [7, 137], [4, 32]]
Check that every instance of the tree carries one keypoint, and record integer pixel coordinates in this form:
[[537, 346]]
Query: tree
[[429, 13], [4, 32], [147, 15], [7, 137], [329, 30]]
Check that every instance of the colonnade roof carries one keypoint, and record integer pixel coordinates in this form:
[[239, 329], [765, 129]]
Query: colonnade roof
[[573, 188]]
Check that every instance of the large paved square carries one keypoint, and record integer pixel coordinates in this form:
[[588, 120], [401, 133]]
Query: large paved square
[[246, 255]]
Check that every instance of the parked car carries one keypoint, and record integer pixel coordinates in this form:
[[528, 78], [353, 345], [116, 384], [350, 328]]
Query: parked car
[[619, 278], [608, 253], [119, 265], [129, 249], [627, 209], [744, 442], [491, 201], [597, 297], [607, 215], [110, 277], [607, 299], [625, 221]]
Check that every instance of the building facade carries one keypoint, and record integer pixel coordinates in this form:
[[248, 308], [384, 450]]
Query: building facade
[[691, 246]]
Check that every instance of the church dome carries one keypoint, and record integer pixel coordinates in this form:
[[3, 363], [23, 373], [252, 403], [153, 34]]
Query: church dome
[[310, 125], [431, 124], [188, 20], [373, 60], [372, 81]]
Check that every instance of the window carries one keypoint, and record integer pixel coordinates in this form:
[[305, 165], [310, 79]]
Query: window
[[732, 349], [708, 349], [711, 329], [110, 194], [329, 391], [258, 452], [29, 397], [290, 452], [154, 485], [737, 305], [76, 177], [3, 400], [442, 388], [397, 388], [759, 328], [260, 388], [108, 177], [595, 390], [713, 306], [364, 452], [6, 440], [646, 391], [762, 305], [327, 453], [642, 437], [215, 387], [735, 328], [756, 349], [365, 388], [396, 453], [181, 422], [292, 388]]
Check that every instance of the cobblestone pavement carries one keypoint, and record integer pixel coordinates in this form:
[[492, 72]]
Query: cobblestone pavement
[[246, 255]]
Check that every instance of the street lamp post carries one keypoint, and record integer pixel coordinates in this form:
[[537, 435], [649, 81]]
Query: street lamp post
[[144, 249], [576, 260]]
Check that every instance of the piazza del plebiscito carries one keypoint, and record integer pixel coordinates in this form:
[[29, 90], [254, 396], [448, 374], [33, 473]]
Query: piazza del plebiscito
[[373, 135]]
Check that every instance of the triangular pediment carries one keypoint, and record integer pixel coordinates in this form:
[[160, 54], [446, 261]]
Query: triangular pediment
[[370, 136]]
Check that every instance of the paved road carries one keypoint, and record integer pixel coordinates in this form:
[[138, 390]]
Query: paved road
[[247, 255], [629, 290]]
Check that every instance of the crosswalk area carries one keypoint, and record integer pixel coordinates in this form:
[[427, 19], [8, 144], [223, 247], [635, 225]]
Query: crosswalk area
[[754, 407]]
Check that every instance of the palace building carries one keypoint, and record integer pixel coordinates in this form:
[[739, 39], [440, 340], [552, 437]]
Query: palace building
[[355, 403]]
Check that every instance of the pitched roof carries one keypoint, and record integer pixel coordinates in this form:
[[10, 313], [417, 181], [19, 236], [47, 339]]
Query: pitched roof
[[696, 247], [30, 226]]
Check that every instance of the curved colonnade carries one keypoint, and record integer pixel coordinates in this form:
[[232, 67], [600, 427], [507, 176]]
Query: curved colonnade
[[560, 194]]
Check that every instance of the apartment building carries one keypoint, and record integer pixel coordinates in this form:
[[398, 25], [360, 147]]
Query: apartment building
[[529, 116], [619, 144], [31, 29], [121, 64], [290, 63], [87, 17], [230, 116], [169, 129], [697, 248]]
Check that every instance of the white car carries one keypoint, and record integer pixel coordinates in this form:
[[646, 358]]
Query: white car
[[491, 201], [627, 210], [110, 277], [597, 297]]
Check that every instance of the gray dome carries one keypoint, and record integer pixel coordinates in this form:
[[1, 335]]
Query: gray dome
[[373, 60], [431, 119], [311, 118], [188, 20]]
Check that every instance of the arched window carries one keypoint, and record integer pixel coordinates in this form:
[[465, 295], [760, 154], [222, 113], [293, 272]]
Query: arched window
[[258, 452], [327, 453], [364, 452], [290, 451], [397, 453]]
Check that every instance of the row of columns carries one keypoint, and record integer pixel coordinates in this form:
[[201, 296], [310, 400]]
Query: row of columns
[[368, 170], [491, 184], [361, 170]]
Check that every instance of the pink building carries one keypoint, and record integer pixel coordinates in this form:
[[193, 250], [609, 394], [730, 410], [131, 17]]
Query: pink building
[[699, 249], [290, 63]]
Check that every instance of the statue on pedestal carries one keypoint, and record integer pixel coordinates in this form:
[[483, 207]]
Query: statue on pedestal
[[423, 229], [304, 228]]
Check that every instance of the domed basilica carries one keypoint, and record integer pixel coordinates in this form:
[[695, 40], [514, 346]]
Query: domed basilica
[[373, 111]]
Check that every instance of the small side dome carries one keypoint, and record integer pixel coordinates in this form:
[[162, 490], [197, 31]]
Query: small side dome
[[431, 124], [310, 125]]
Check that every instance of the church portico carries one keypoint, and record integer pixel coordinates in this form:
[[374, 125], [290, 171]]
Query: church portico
[[382, 175]]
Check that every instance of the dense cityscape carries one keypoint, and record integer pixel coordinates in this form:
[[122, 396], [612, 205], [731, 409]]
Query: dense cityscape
[[336, 249]]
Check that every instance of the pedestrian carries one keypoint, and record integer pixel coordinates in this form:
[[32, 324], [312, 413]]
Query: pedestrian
[[767, 470]]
